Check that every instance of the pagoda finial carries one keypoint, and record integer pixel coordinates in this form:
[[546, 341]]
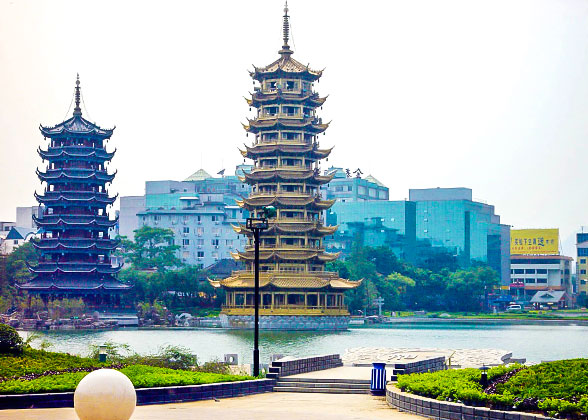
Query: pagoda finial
[[286, 31], [77, 109]]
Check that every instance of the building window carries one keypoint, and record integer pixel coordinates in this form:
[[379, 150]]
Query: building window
[[199, 242], [582, 260], [186, 229], [215, 242], [519, 271], [529, 280], [214, 218], [200, 254], [200, 231], [541, 271], [530, 271], [542, 281], [582, 271], [185, 242]]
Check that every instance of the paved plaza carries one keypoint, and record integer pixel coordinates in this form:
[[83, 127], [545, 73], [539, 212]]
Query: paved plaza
[[361, 356], [274, 405]]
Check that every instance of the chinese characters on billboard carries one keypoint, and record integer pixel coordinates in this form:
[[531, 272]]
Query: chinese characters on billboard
[[534, 241]]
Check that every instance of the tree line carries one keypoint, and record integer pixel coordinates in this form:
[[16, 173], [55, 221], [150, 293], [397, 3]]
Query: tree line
[[159, 278]]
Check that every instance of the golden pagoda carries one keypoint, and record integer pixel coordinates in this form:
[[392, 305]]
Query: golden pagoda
[[295, 290]]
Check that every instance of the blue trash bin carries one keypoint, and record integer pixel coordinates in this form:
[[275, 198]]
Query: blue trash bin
[[378, 382]]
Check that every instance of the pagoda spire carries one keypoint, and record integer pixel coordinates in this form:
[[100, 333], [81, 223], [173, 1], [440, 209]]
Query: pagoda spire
[[77, 109], [286, 31]]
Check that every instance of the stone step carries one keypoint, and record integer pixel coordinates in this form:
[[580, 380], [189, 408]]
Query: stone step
[[322, 390], [324, 380], [321, 385]]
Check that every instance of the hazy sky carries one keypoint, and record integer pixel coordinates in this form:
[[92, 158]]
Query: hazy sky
[[490, 95]]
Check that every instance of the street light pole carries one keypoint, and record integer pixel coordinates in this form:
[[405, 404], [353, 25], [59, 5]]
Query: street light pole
[[256, 225], [256, 303]]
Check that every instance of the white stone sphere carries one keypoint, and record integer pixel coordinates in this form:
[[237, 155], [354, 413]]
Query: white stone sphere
[[105, 394]]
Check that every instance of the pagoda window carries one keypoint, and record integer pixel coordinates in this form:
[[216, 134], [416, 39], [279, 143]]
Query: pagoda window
[[296, 299], [308, 112], [279, 299], [291, 85], [269, 136], [291, 111], [290, 136], [270, 110], [312, 300]]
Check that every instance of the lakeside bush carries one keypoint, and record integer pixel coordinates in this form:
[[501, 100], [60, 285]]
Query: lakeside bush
[[559, 387], [141, 377], [10, 341]]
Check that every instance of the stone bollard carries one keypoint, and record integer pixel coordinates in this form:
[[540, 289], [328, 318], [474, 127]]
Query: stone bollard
[[232, 359], [105, 394]]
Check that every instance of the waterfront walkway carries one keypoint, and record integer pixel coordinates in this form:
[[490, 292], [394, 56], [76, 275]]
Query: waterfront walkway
[[273, 405]]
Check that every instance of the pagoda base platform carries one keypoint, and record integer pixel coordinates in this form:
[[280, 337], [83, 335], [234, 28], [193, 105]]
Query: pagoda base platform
[[287, 322]]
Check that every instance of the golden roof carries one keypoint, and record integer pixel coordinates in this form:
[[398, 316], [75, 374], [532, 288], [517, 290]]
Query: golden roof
[[305, 280]]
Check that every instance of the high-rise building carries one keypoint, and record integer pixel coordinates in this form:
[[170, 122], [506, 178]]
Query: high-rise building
[[471, 230], [433, 221], [296, 291], [74, 246]]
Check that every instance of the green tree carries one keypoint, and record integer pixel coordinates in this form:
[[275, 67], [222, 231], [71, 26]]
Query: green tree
[[466, 289], [16, 263], [393, 289], [153, 248]]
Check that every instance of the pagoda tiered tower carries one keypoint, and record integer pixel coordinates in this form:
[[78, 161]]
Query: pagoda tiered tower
[[296, 291], [75, 247]]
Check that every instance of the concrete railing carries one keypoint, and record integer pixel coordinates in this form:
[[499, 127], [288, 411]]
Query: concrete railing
[[445, 410], [284, 367]]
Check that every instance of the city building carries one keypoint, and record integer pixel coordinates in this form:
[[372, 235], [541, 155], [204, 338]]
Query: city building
[[296, 291], [346, 187], [537, 273], [74, 247], [199, 210], [25, 216], [471, 230], [433, 221], [537, 266], [15, 237], [128, 221], [582, 262]]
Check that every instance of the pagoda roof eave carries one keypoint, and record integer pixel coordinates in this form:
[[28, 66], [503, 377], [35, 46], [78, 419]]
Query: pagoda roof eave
[[256, 126], [98, 154], [76, 125], [263, 98], [307, 280], [272, 148]]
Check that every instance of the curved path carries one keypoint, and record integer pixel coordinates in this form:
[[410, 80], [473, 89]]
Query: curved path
[[270, 406]]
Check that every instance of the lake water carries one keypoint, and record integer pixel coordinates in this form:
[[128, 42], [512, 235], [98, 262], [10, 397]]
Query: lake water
[[535, 342]]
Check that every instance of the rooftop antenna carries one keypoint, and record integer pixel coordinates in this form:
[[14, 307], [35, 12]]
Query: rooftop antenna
[[77, 109]]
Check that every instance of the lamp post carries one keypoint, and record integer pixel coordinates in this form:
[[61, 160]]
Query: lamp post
[[484, 376], [256, 225]]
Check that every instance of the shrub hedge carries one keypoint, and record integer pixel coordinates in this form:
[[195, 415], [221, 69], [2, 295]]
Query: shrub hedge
[[140, 376], [40, 361], [559, 387]]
